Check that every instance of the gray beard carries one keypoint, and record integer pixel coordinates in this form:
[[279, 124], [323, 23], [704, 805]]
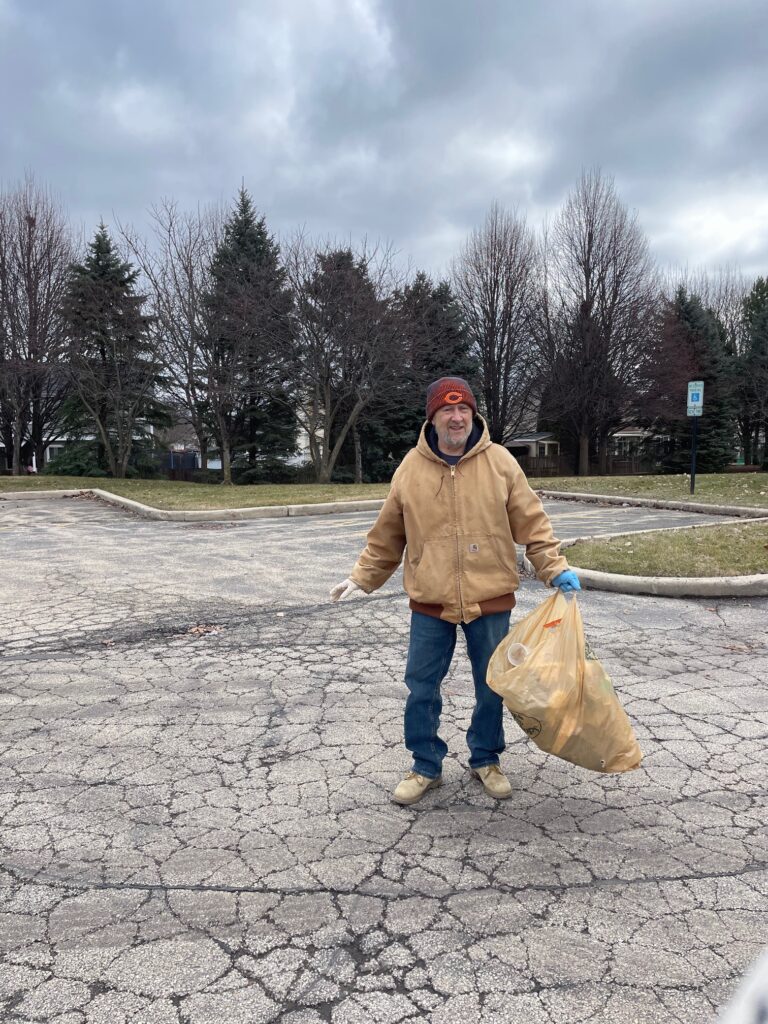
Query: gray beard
[[446, 443]]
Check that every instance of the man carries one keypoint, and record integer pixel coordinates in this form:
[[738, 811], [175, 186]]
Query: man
[[457, 505]]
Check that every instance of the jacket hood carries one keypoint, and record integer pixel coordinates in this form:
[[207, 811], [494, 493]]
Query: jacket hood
[[423, 448]]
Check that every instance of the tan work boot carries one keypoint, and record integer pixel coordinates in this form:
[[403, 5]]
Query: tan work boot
[[495, 782], [413, 787]]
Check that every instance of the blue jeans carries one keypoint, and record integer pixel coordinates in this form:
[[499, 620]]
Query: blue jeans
[[429, 658]]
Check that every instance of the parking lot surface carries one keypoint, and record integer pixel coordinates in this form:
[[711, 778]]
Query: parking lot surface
[[196, 758]]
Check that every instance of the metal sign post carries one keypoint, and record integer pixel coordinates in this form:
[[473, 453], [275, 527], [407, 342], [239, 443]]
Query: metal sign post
[[695, 409]]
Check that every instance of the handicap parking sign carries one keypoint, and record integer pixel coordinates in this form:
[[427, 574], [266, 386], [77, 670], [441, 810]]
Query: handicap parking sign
[[695, 397]]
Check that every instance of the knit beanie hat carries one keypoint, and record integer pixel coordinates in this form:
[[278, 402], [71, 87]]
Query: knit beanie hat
[[449, 391]]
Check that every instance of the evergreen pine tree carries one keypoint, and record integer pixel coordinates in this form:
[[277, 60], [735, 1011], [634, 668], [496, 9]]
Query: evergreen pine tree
[[247, 342], [113, 368], [701, 333], [753, 371], [438, 345]]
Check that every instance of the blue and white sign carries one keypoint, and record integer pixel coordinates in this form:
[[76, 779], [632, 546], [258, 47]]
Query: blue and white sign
[[695, 397]]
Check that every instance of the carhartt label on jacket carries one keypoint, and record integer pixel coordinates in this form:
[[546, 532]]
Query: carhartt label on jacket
[[473, 549]]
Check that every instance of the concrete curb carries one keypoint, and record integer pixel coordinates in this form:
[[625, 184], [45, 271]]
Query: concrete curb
[[363, 505], [741, 511], [675, 586], [192, 516], [659, 586], [202, 515], [668, 586]]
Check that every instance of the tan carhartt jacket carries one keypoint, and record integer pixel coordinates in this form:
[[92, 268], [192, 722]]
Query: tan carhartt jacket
[[458, 526]]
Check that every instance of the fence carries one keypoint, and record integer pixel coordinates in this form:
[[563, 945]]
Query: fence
[[544, 465]]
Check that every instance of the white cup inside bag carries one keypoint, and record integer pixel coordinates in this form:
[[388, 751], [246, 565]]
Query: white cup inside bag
[[517, 653]]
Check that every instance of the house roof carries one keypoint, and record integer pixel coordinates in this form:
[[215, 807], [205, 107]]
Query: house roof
[[528, 438]]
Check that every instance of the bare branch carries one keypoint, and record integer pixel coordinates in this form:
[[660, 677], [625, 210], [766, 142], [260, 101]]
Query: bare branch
[[494, 279]]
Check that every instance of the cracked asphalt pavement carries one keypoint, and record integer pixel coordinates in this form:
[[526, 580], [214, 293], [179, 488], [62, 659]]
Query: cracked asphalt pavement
[[196, 758]]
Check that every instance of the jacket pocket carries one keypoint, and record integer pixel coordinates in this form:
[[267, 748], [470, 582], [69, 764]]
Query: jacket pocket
[[489, 568], [430, 575]]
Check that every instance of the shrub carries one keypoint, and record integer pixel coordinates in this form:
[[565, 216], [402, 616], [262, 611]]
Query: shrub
[[144, 469], [343, 475], [79, 459], [267, 472], [205, 476]]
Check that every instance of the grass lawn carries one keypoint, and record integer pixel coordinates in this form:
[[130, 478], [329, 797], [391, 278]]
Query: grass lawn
[[168, 494], [737, 549], [711, 488]]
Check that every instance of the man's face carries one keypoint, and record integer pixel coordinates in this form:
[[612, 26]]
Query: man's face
[[453, 424]]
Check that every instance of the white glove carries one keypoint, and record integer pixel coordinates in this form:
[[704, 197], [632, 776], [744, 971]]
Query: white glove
[[342, 590]]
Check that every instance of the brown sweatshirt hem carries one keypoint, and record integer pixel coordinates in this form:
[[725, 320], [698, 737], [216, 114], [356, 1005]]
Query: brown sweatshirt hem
[[503, 603]]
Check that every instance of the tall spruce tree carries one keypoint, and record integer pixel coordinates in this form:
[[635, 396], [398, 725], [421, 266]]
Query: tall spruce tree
[[753, 375], [702, 338], [113, 368], [247, 339], [437, 344]]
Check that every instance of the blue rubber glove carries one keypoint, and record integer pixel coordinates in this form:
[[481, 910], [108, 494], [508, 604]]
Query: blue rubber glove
[[567, 581]]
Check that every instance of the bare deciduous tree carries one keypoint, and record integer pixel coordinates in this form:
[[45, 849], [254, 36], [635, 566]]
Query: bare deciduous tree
[[494, 280], [35, 253], [177, 269], [347, 343], [594, 327]]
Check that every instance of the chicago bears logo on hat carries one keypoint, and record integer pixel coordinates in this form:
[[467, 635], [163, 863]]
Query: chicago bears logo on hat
[[449, 391]]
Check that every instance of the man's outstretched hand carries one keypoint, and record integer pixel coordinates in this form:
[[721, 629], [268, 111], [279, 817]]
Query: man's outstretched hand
[[342, 590], [567, 581]]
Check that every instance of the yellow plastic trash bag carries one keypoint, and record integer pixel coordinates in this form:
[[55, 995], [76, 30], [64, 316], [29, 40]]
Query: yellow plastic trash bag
[[559, 693]]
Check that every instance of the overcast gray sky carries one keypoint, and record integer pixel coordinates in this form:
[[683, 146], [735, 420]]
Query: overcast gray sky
[[400, 119]]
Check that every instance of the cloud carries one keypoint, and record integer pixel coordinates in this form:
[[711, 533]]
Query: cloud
[[724, 225], [396, 119]]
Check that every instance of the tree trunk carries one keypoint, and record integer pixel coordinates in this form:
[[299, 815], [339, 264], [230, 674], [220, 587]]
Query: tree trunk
[[330, 457], [6, 436], [203, 442], [314, 454], [103, 456], [17, 446], [105, 446], [583, 454], [603, 458], [358, 455], [745, 436], [226, 460]]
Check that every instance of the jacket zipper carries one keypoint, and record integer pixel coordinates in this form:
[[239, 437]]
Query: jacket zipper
[[458, 547]]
